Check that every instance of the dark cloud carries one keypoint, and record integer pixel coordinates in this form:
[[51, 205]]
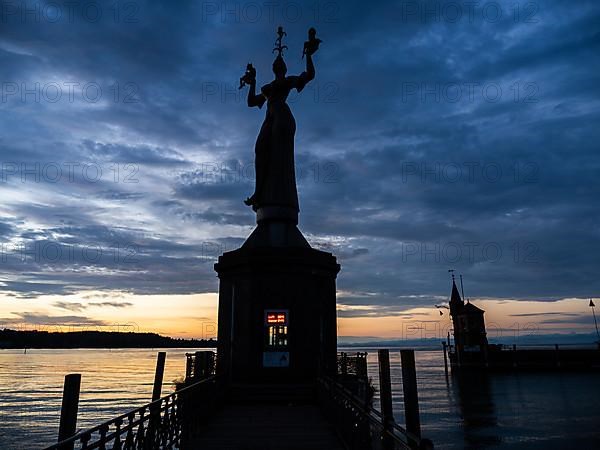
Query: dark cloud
[[540, 314], [398, 177], [76, 306], [112, 304], [70, 306], [46, 320], [135, 155], [581, 320]]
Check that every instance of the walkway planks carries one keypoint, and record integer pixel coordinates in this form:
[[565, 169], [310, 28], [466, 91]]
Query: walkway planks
[[267, 427]]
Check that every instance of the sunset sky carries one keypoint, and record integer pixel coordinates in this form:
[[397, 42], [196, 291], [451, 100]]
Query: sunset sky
[[455, 137]]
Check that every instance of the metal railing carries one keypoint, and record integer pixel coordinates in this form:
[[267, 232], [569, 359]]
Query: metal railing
[[200, 365], [174, 420], [352, 364], [161, 424], [360, 426]]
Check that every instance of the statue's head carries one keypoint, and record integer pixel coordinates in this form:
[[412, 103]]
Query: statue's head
[[279, 67]]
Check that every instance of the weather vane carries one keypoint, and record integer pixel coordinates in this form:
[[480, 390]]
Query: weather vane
[[279, 47]]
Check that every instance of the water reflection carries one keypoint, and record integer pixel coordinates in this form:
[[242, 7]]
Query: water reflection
[[502, 411], [499, 411], [476, 408]]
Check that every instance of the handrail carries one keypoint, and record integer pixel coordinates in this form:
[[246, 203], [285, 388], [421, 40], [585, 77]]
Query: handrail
[[162, 416], [352, 364], [398, 435]]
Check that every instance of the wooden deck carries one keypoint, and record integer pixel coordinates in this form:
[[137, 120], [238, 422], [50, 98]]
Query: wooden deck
[[206, 413], [267, 427]]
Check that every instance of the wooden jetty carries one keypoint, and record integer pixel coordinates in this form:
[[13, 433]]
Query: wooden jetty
[[203, 414], [551, 357], [268, 426]]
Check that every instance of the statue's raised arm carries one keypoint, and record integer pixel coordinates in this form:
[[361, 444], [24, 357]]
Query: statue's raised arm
[[310, 48], [274, 150]]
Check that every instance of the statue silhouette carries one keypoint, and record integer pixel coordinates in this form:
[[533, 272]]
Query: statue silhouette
[[274, 150]]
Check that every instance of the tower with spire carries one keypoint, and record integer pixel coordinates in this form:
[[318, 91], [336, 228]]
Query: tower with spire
[[468, 322]]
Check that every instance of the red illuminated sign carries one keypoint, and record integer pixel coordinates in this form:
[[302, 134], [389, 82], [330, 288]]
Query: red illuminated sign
[[276, 318]]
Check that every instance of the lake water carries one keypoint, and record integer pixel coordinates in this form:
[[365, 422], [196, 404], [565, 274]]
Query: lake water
[[510, 411]]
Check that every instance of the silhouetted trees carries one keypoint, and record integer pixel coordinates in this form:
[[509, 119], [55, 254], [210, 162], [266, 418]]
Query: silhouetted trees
[[95, 339]]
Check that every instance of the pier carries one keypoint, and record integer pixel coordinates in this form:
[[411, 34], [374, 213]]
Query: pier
[[471, 350], [203, 413], [551, 357]]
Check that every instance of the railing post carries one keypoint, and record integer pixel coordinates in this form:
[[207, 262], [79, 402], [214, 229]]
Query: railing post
[[189, 360], [158, 375], [68, 410], [411, 396], [197, 365], [385, 390], [203, 365], [344, 368]]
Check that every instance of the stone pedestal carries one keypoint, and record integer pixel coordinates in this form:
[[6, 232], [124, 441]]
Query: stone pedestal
[[277, 272]]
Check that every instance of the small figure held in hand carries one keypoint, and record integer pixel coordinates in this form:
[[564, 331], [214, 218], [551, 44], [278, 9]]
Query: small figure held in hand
[[249, 77], [312, 45]]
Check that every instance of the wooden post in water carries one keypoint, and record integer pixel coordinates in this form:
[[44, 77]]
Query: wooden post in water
[[445, 358], [155, 409], [68, 410], [158, 375], [411, 397], [385, 393]]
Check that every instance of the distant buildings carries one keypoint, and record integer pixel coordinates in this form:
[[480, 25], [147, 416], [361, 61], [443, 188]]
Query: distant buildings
[[468, 322], [472, 351]]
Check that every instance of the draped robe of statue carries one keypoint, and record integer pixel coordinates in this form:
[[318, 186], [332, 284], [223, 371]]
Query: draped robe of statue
[[274, 159]]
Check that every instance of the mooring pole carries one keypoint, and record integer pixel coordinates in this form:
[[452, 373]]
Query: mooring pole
[[445, 358], [155, 409], [385, 393], [158, 375], [68, 410], [411, 397]]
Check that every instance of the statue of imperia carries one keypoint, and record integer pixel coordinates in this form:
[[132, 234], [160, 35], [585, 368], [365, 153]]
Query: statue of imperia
[[274, 150]]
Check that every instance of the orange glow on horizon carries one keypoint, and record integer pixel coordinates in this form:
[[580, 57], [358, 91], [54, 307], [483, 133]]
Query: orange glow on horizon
[[195, 316]]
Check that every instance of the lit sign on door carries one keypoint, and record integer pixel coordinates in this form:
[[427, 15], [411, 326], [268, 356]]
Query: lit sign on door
[[276, 318], [276, 352]]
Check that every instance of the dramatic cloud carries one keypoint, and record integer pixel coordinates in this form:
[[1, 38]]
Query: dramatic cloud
[[48, 321], [75, 306], [460, 138]]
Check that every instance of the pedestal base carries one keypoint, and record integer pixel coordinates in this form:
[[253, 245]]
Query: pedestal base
[[296, 282]]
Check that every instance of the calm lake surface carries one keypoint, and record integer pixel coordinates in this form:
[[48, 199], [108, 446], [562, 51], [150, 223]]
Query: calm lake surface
[[554, 411]]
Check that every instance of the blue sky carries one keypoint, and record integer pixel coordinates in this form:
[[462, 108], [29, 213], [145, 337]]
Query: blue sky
[[436, 135]]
